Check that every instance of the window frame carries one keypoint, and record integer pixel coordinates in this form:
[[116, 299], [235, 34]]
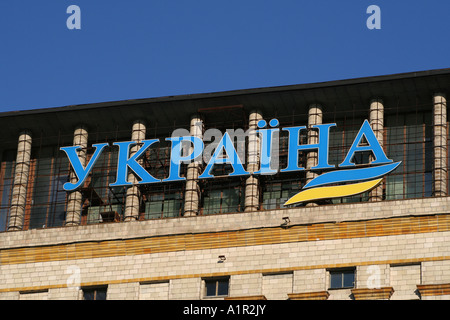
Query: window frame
[[341, 272], [95, 289], [221, 196], [48, 171], [216, 282]]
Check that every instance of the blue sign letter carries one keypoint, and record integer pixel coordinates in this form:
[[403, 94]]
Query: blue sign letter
[[175, 155], [266, 146], [295, 147], [125, 161], [81, 172], [373, 145], [231, 158]]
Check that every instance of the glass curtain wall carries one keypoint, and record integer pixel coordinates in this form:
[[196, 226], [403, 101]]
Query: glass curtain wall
[[49, 170], [104, 203], [409, 139]]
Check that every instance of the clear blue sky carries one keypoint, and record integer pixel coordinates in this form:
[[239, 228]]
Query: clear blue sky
[[144, 48]]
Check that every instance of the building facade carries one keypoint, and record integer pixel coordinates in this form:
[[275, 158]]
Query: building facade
[[220, 234]]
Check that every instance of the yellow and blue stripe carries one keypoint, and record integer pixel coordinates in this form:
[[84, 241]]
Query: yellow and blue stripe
[[318, 188]]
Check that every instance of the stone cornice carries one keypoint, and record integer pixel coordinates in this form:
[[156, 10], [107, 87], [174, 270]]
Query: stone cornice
[[319, 295], [373, 294], [256, 297], [434, 289]]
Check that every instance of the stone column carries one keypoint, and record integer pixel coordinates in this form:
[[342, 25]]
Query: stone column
[[75, 198], [315, 116], [376, 121], [19, 192], [192, 192], [440, 145], [253, 156], [133, 197]]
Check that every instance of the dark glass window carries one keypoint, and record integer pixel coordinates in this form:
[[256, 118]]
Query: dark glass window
[[49, 170], [340, 279], [210, 288], [222, 197], [94, 293], [409, 139], [164, 201], [276, 192], [222, 287], [6, 184], [216, 287], [105, 204]]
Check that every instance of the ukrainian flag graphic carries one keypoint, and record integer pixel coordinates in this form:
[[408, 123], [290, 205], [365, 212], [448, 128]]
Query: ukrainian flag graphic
[[319, 188]]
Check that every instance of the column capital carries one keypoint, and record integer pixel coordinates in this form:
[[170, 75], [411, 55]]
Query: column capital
[[313, 106]]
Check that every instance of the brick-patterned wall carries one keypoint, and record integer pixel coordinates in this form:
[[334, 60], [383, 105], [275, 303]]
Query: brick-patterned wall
[[436, 272], [154, 291], [277, 286], [123, 291], [310, 280], [182, 289], [404, 280], [246, 285], [373, 276], [261, 257]]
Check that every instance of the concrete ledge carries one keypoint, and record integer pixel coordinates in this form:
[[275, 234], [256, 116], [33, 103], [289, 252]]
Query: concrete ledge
[[260, 297], [225, 222], [373, 294], [434, 289], [320, 295]]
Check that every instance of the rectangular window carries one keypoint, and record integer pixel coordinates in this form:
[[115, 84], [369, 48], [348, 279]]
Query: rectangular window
[[216, 287], [107, 213], [105, 203], [49, 170], [97, 293], [163, 200], [6, 184], [342, 278], [409, 139], [220, 198], [276, 193]]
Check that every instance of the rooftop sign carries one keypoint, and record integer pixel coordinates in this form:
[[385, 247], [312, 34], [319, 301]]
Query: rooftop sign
[[326, 185]]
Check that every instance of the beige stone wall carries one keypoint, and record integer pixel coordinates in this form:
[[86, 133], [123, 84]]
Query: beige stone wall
[[246, 285], [373, 276], [277, 286], [401, 261], [404, 280], [310, 280], [154, 291], [436, 272], [185, 289]]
